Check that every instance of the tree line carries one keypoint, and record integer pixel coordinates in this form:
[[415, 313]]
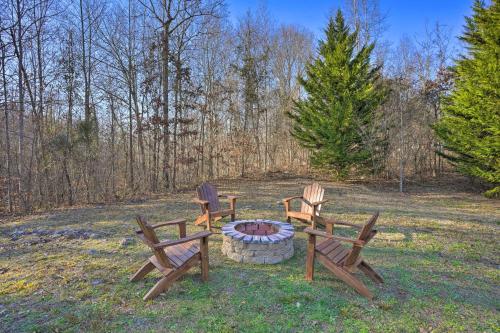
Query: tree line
[[106, 100], [339, 118]]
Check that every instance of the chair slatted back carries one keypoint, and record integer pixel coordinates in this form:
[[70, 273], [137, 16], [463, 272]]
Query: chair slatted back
[[312, 193], [150, 239], [208, 192], [366, 234]]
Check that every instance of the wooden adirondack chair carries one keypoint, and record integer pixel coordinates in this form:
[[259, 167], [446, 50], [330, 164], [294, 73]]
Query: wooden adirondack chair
[[173, 258], [312, 199], [342, 261], [211, 209]]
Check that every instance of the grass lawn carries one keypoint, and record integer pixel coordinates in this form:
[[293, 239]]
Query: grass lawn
[[437, 249]]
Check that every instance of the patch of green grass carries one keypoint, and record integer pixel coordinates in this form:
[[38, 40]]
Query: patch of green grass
[[437, 251]]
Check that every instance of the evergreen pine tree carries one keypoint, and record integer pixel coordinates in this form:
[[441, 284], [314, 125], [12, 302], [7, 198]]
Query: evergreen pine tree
[[470, 125], [341, 97]]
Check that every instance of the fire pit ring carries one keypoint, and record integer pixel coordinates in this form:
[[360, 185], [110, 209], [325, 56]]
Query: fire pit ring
[[258, 241]]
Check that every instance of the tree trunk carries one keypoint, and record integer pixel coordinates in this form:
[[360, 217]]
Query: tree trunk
[[165, 106], [7, 130], [22, 184], [130, 140], [177, 99], [46, 196], [401, 146], [113, 156], [68, 178], [69, 123]]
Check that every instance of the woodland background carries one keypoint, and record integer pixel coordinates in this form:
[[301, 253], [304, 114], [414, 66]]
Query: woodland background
[[107, 100]]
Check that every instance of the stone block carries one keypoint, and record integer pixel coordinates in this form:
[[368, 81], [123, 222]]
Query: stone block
[[280, 251], [288, 255], [227, 247], [235, 256], [288, 227], [273, 259], [274, 239], [238, 245], [247, 239], [238, 236], [258, 246], [276, 246], [264, 239], [256, 260], [247, 253]]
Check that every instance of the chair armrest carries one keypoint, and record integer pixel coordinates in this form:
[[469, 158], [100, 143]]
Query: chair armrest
[[229, 197], [200, 202], [180, 222], [198, 235], [291, 198], [342, 239], [330, 220], [349, 224], [173, 222]]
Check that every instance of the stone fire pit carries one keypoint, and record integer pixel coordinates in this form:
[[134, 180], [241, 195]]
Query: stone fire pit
[[258, 241]]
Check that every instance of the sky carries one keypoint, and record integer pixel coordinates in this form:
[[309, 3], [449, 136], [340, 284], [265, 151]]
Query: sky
[[405, 18]]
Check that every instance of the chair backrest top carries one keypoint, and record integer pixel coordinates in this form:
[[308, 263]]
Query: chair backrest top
[[208, 192], [365, 234], [150, 236], [312, 193]]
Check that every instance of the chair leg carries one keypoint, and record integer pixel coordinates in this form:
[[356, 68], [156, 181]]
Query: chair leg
[[165, 283], [159, 287], [311, 245], [287, 207], [143, 271], [204, 258], [169, 278], [209, 223], [370, 272], [232, 206], [346, 277]]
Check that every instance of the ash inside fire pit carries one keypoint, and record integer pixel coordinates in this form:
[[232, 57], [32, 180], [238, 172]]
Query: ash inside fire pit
[[254, 228], [258, 241]]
